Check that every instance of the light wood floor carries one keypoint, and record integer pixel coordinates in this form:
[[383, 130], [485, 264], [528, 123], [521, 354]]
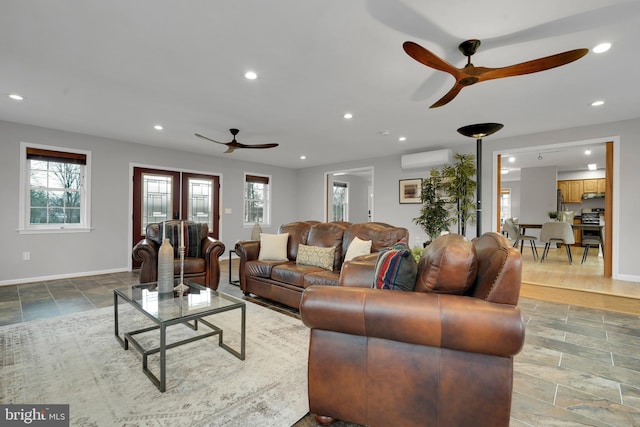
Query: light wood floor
[[581, 284]]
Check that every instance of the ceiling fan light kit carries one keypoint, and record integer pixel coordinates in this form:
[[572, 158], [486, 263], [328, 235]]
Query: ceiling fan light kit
[[470, 74]]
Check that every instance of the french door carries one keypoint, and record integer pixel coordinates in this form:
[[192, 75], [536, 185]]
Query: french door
[[161, 195]]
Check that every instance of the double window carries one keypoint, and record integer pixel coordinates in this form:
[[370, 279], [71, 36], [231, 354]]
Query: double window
[[55, 190], [257, 200]]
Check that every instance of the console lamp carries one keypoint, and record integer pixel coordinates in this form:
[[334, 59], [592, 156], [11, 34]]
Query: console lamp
[[479, 131]]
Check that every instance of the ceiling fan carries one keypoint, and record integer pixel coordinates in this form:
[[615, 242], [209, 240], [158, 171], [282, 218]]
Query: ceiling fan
[[470, 74], [235, 144]]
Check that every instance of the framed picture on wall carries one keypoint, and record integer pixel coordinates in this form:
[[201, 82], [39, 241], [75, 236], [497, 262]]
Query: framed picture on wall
[[410, 190]]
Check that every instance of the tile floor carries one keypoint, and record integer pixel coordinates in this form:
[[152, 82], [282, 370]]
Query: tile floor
[[579, 366]]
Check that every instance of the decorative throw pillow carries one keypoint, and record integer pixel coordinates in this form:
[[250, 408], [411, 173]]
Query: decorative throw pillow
[[316, 256], [273, 247], [357, 247], [396, 268], [193, 235]]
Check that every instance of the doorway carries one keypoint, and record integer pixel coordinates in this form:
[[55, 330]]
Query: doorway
[[160, 195], [349, 195], [565, 157]]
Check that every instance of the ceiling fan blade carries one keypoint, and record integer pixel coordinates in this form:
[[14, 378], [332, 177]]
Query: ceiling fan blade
[[270, 145], [455, 90], [532, 66], [429, 59], [209, 139]]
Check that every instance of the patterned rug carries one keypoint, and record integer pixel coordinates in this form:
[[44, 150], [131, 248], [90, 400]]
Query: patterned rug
[[76, 360]]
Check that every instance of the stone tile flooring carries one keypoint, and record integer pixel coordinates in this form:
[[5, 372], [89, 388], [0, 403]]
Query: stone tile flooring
[[579, 366]]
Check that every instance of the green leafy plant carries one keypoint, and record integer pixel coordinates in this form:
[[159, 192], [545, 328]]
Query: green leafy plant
[[553, 214], [434, 217], [417, 253], [459, 183]]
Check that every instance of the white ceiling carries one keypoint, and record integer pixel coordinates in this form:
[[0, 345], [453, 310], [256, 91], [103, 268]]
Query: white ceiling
[[115, 68]]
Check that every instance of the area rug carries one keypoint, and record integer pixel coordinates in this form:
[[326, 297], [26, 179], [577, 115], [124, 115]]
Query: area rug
[[76, 360]]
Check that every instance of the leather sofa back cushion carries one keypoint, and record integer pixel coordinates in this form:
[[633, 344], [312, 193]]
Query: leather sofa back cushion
[[298, 232], [448, 265], [328, 235], [381, 235]]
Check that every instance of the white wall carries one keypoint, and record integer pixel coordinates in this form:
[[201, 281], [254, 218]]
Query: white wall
[[298, 194], [108, 246], [538, 191]]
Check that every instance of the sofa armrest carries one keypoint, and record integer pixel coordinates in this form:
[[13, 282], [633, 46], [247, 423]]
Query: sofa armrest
[[436, 320], [247, 250], [212, 250], [146, 253], [359, 272]]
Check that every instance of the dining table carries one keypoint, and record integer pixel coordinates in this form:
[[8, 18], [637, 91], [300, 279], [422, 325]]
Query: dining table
[[522, 228]]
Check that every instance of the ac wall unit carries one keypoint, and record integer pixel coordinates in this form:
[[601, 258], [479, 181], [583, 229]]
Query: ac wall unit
[[426, 160]]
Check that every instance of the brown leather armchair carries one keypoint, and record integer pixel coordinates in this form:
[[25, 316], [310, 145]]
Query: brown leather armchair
[[203, 269], [423, 358]]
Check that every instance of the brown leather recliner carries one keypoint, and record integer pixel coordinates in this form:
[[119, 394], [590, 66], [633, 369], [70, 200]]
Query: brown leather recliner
[[204, 268], [439, 356]]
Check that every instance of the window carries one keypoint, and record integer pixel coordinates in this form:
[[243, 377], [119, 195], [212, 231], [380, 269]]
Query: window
[[340, 201], [257, 200], [505, 204], [55, 192]]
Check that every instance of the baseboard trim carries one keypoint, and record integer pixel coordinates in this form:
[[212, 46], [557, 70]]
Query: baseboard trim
[[61, 276], [592, 298]]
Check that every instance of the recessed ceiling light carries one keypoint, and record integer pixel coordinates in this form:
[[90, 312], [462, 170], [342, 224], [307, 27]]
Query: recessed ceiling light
[[348, 115], [597, 103], [587, 151], [158, 127], [250, 75], [512, 159], [592, 166], [602, 47], [303, 157], [402, 139], [504, 171], [16, 97]]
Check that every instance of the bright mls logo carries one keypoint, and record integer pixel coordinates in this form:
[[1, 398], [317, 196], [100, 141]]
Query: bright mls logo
[[34, 415]]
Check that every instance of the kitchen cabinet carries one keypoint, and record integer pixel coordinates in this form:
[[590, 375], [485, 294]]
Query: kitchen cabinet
[[571, 190], [590, 185]]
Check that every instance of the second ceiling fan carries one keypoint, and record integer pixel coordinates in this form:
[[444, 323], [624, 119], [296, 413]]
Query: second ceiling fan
[[470, 74]]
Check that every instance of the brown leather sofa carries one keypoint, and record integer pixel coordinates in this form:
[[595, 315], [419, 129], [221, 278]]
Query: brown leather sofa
[[284, 281], [439, 356], [203, 269]]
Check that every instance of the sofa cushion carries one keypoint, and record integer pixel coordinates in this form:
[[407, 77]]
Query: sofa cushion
[[395, 269], [194, 233], [357, 247], [273, 247], [261, 268], [322, 278], [316, 256], [448, 265], [328, 235], [292, 274]]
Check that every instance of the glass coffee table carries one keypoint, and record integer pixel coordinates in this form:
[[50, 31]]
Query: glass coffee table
[[165, 309]]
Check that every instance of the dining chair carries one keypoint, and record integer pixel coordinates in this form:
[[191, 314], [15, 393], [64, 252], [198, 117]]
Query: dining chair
[[557, 232], [588, 243], [514, 232]]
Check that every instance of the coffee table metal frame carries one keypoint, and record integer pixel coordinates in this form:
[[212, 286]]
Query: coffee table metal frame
[[162, 325]]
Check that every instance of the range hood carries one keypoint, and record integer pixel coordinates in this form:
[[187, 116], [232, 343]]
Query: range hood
[[586, 196]]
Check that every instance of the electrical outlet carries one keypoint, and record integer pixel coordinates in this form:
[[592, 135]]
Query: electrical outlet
[[26, 256]]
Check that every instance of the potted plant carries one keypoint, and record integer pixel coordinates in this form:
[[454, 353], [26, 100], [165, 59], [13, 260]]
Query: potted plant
[[553, 215], [458, 181], [434, 217]]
